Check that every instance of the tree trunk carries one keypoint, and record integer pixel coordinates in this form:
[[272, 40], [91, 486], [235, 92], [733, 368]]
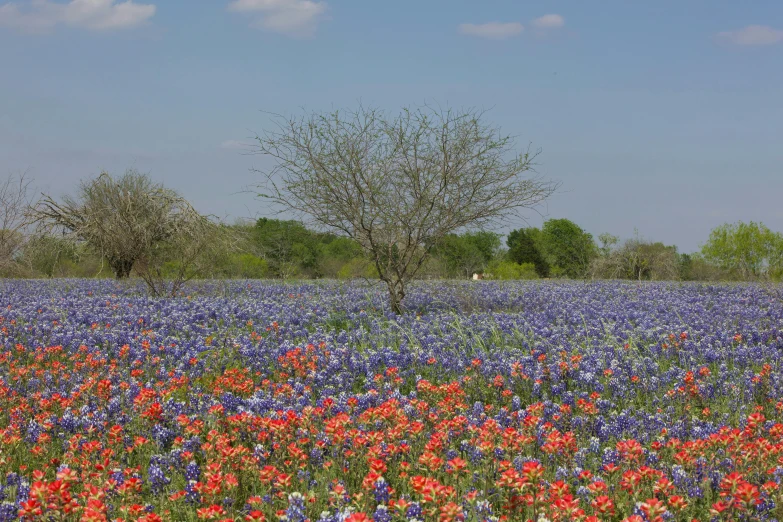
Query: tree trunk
[[396, 295], [121, 268]]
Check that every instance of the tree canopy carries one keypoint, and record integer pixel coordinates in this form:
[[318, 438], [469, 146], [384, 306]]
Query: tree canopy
[[750, 250], [469, 253], [132, 221], [522, 249], [567, 247]]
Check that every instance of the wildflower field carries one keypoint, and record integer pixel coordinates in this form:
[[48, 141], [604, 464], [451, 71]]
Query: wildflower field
[[487, 401]]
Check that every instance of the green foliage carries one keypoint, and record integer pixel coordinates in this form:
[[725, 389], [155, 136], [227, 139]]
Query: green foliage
[[699, 269], [507, 270], [750, 250], [685, 266], [290, 249], [564, 244], [463, 255], [459, 257], [246, 266], [557, 272], [522, 249], [486, 243], [44, 254], [655, 261], [357, 267], [341, 248], [88, 266], [608, 241], [249, 266]]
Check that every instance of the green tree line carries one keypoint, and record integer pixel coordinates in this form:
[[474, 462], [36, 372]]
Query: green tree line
[[287, 249]]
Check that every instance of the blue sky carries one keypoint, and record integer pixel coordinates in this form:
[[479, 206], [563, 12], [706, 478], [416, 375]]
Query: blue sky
[[661, 116]]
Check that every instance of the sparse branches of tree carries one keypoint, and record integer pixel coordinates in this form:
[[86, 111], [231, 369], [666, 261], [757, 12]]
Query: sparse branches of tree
[[636, 259], [608, 242], [15, 200], [189, 252], [398, 184], [132, 221]]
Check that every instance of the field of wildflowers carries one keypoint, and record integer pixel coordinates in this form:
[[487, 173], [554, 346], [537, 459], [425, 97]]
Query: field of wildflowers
[[253, 401]]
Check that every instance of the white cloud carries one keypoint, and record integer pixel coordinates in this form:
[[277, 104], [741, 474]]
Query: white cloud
[[493, 30], [235, 145], [41, 15], [550, 21], [753, 35], [291, 17]]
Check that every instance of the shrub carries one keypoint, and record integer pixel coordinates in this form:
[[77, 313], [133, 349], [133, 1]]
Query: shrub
[[356, 268], [248, 266], [507, 270]]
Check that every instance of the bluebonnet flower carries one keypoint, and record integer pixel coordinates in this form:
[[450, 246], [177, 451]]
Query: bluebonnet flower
[[157, 478], [34, 430], [192, 472], [191, 495], [414, 511], [295, 512], [22, 492], [381, 491], [162, 435], [381, 514], [117, 476], [8, 512], [12, 479]]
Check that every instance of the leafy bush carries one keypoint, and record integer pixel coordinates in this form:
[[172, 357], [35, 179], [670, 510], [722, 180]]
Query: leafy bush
[[356, 268], [507, 270], [248, 266]]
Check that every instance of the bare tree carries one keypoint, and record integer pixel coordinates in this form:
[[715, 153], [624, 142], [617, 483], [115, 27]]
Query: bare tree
[[15, 200], [133, 222], [636, 259], [189, 252], [398, 184]]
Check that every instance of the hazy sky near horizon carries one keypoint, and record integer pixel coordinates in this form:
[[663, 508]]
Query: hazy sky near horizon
[[666, 117]]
